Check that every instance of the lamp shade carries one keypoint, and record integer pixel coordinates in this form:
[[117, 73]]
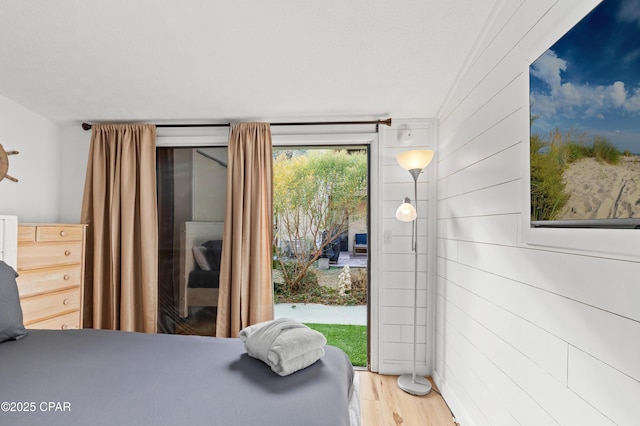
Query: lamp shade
[[406, 212], [415, 159]]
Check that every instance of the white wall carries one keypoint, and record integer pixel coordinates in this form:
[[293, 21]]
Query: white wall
[[525, 334], [209, 200], [36, 195], [74, 149], [393, 296], [50, 168]]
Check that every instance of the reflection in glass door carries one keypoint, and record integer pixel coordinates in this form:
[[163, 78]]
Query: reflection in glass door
[[191, 206]]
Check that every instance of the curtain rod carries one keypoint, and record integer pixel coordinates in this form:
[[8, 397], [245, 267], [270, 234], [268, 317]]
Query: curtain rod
[[387, 122]]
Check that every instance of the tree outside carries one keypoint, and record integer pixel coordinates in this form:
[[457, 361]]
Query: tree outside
[[316, 195]]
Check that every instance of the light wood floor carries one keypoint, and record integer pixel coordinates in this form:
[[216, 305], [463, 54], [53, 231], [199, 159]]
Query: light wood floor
[[383, 403]]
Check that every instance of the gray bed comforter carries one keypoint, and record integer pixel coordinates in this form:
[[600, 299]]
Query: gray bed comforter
[[99, 377]]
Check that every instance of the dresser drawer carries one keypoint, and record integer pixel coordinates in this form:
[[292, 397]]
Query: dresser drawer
[[46, 280], [32, 256], [45, 306], [26, 233], [58, 233], [50, 233], [63, 322]]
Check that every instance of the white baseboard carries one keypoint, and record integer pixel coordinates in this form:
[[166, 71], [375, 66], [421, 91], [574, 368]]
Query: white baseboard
[[461, 415]]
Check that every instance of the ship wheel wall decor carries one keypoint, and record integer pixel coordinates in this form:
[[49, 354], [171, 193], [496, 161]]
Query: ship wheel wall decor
[[4, 163]]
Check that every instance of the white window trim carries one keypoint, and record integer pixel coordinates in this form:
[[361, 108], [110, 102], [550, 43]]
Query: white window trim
[[281, 136], [601, 242]]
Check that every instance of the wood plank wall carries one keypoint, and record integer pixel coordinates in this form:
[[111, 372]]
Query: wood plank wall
[[392, 309], [525, 334]]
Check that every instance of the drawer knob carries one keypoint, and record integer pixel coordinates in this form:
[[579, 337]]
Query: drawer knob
[[63, 233], [67, 252], [65, 302], [64, 326], [66, 277]]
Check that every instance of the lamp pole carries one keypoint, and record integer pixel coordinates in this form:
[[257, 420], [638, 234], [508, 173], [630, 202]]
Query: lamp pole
[[411, 383]]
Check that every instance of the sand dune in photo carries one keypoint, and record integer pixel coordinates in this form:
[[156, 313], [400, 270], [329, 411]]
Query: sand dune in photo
[[602, 191]]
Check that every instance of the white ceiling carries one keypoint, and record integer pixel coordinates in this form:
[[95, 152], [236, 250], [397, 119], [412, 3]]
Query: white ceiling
[[205, 60]]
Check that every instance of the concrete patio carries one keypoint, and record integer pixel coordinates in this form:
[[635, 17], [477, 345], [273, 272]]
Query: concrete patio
[[322, 314], [347, 259]]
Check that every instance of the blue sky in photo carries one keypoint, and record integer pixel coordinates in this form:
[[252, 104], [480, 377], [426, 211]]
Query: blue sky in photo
[[590, 79]]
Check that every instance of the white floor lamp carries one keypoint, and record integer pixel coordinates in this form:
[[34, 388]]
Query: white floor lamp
[[414, 161]]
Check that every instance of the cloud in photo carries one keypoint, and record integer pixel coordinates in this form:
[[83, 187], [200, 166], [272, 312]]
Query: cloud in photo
[[548, 68], [572, 100], [589, 80], [629, 11]]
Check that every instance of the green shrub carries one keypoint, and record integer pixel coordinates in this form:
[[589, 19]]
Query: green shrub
[[566, 148], [550, 158], [548, 195], [605, 151], [576, 152], [319, 288], [308, 283]]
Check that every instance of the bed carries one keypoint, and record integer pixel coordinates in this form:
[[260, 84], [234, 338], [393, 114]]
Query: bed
[[103, 377], [198, 286], [100, 377]]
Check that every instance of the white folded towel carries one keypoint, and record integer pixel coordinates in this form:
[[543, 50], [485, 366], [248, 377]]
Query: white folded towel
[[284, 344]]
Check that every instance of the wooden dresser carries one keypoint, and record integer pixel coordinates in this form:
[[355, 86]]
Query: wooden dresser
[[51, 268]]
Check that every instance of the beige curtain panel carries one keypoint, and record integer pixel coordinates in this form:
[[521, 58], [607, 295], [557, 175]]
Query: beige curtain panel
[[246, 293], [120, 208]]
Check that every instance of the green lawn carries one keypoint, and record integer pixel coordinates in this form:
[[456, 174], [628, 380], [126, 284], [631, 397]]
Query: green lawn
[[350, 338]]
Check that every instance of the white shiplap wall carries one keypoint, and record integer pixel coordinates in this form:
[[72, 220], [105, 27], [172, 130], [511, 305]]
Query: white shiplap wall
[[525, 334], [394, 296]]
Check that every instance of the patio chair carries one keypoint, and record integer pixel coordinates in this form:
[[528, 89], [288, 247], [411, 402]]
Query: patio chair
[[359, 244]]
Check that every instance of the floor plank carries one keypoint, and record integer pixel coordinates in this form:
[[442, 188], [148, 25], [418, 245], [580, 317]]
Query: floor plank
[[384, 403]]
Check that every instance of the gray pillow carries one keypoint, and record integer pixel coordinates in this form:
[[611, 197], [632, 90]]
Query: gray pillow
[[11, 325], [214, 253], [199, 254]]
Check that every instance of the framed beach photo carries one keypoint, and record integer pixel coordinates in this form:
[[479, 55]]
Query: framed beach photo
[[585, 123]]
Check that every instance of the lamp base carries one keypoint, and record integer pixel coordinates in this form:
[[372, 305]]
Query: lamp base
[[420, 386]]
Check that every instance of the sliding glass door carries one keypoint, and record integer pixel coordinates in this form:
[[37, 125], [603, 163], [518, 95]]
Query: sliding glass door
[[321, 250], [192, 186]]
